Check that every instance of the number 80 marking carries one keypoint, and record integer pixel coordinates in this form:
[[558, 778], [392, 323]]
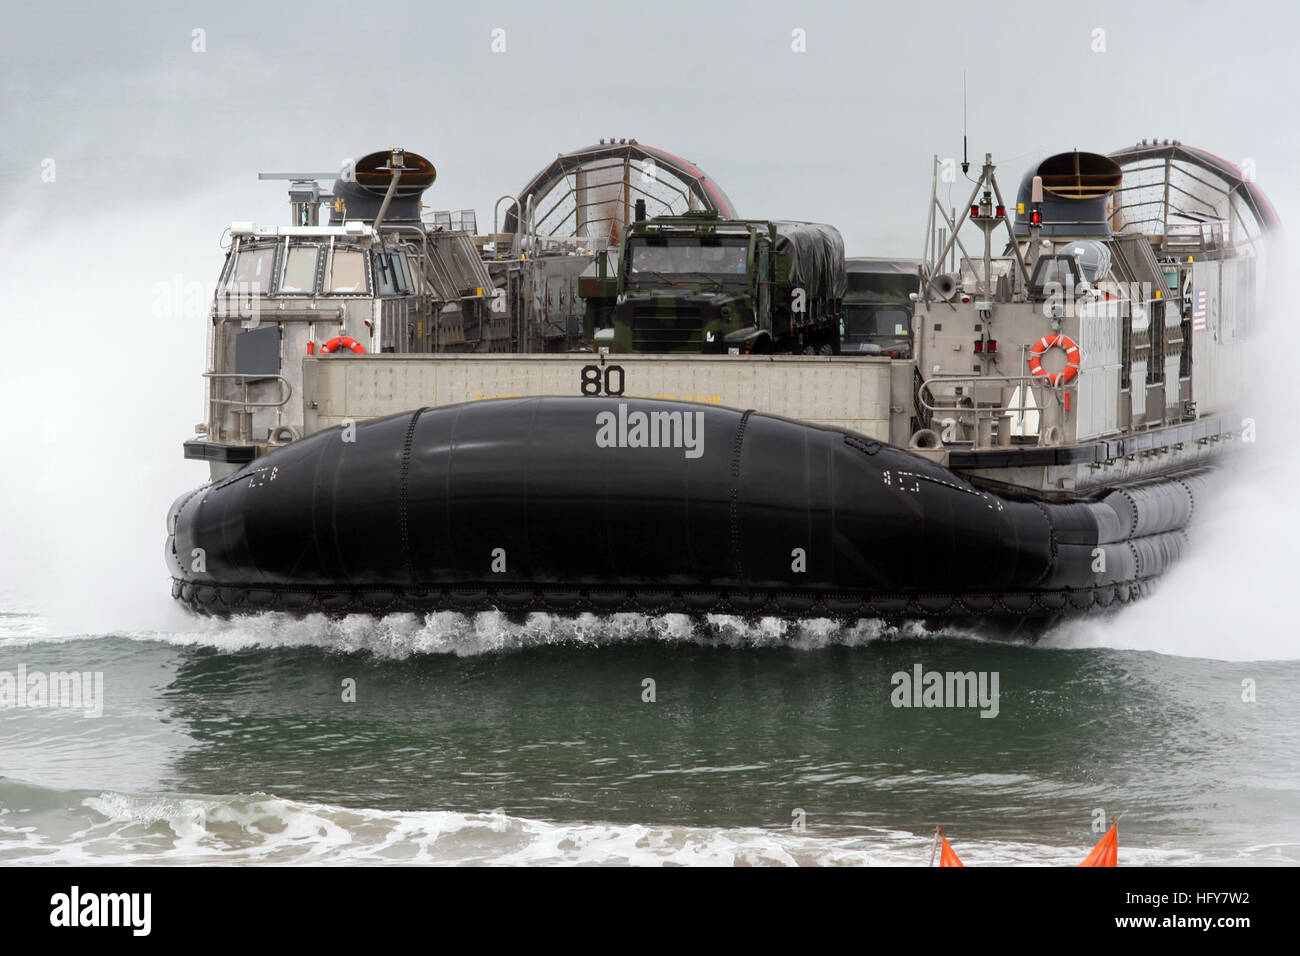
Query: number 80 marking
[[607, 381]]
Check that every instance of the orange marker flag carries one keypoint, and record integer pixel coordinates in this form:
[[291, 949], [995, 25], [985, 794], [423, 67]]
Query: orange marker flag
[[948, 856], [1106, 852]]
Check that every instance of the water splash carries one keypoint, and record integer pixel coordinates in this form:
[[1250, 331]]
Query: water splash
[[398, 636], [41, 826]]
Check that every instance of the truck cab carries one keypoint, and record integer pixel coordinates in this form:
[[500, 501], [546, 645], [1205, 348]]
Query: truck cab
[[878, 306], [701, 284]]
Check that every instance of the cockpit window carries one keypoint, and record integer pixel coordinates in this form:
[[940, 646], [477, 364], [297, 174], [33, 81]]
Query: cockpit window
[[345, 271], [251, 272], [404, 283], [392, 275], [385, 271], [299, 275], [1062, 272]]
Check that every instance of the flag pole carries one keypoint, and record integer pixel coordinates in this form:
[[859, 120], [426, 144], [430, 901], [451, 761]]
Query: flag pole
[[934, 847]]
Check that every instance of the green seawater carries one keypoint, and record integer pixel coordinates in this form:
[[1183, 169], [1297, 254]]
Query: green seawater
[[451, 739]]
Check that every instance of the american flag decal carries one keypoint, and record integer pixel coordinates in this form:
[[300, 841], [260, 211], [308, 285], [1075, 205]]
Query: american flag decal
[[1198, 312]]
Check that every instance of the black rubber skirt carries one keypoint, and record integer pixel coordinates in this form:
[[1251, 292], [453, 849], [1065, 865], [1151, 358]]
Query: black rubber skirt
[[573, 505]]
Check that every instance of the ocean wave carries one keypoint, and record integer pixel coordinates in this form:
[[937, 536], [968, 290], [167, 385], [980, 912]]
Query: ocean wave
[[51, 827]]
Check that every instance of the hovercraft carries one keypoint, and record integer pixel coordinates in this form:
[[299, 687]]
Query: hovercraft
[[598, 410]]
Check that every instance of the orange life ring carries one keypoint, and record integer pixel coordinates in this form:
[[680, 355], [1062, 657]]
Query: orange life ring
[[1066, 344], [342, 341]]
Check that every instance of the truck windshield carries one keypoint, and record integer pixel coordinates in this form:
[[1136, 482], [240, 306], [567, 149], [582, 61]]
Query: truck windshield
[[728, 257], [873, 322]]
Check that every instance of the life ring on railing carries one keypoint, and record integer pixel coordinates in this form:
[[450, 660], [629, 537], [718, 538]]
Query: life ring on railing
[[342, 342], [1066, 375]]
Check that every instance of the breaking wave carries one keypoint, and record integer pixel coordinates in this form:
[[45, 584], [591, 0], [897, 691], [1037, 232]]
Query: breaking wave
[[67, 827]]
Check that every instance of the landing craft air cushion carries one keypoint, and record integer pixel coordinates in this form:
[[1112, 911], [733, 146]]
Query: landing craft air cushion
[[403, 415]]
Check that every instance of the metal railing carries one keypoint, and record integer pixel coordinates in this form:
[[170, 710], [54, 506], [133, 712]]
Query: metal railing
[[243, 407], [979, 418]]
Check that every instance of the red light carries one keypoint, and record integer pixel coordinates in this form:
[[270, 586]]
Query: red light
[[1002, 212], [974, 210], [1036, 218], [979, 345], [993, 345]]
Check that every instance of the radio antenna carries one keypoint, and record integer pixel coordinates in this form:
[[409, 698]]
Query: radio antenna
[[965, 163]]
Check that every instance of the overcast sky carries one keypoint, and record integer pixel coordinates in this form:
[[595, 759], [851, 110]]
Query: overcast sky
[[841, 133]]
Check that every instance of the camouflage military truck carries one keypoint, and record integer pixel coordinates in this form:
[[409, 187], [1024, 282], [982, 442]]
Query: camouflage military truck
[[878, 306], [701, 284]]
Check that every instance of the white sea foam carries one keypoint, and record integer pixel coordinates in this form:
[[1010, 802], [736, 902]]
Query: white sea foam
[[113, 828], [397, 636]]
